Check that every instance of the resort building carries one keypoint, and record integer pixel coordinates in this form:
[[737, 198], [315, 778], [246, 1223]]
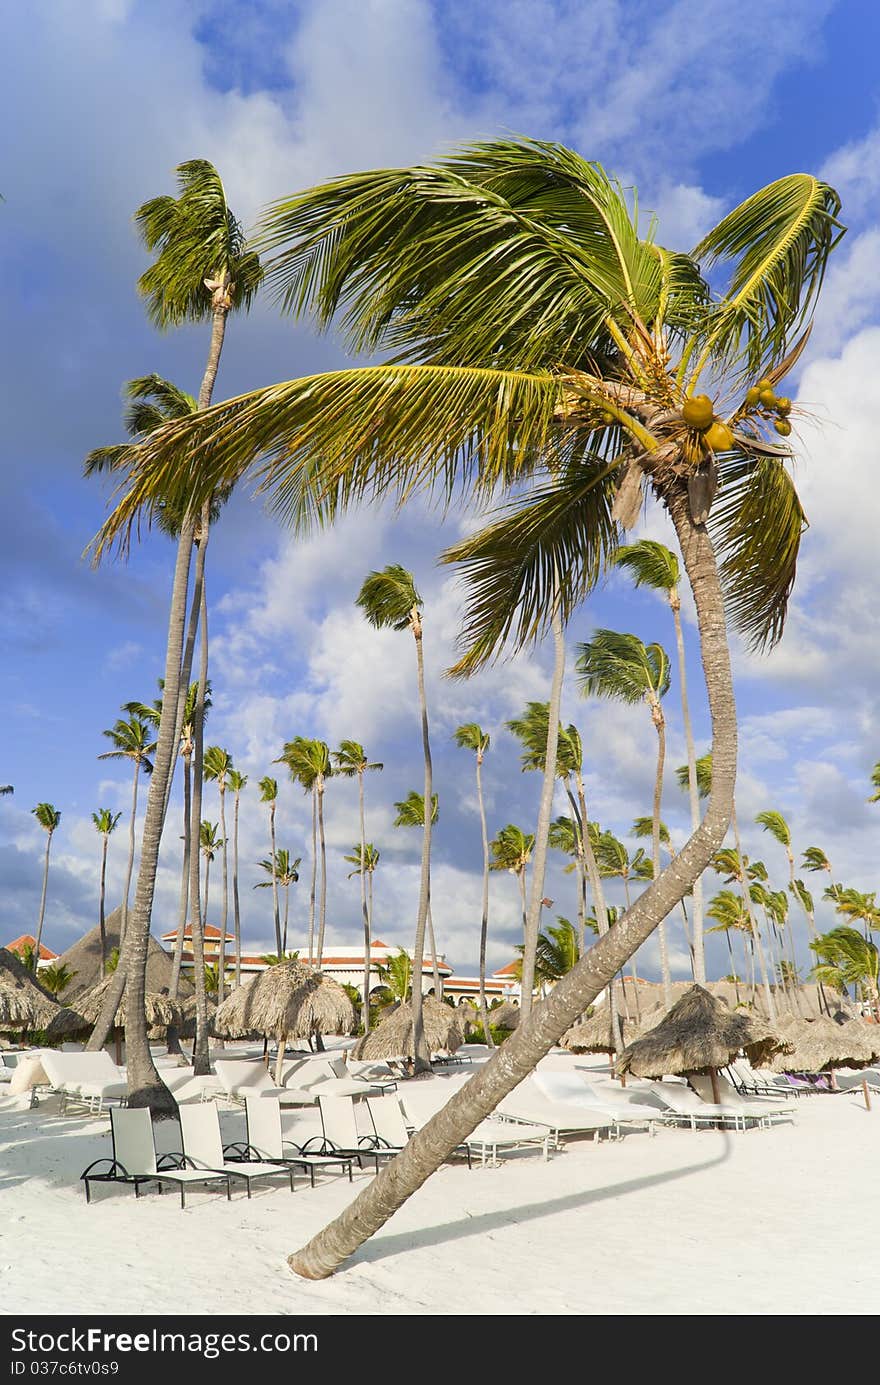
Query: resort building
[[18, 946]]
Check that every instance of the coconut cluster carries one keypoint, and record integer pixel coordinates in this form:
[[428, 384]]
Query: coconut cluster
[[763, 398], [698, 412]]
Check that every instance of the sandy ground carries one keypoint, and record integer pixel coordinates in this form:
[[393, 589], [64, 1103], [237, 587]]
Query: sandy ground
[[782, 1220]]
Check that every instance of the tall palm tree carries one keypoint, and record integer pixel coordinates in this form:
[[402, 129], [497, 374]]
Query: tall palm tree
[[512, 850], [49, 818], [565, 837], [774, 823], [209, 845], [365, 858], [621, 666], [471, 736], [390, 601], [411, 813], [105, 823], [131, 741], [310, 766], [848, 959], [652, 564], [284, 872], [855, 904], [580, 347], [734, 867], [730, 915], [558, 951], [202, 271], [269, 794], [217, 766], [352, 760], [237, 782], [643, 827], [814, 859]]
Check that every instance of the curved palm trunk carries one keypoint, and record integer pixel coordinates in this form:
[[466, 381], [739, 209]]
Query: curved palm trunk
[[177, 957], [547, 1022], [205, 897], [484, 919], [699, 951], [286, 913], [364, 910], [322, 914], [633, 971], [811, 927], [747, 900], [435, 965], [102, 898], [42, 904], [276, 912], [422, 1058], [599, 907], [235, 904], [545, 812], [201, 1049], [660, 726], [131, 826], [224, 922], [313, 887]]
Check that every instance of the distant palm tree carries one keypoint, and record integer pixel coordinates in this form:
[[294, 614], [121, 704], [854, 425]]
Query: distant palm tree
[[351, 759], [310, 766], [814, 858], [855, 904], [470, 736], [390, 601], [558, 950], [411, 813], [48, 817], [729, 913], [622, 667], [734, 866], [237, 782], [512, 850], [269, 794], [652, 564], [848, 959], [131, 741], [284, 872], [216, 766], [105, 822], [395, 980], [643, 827], [56, 978], [774, 823], [209, 845], [875, 781]]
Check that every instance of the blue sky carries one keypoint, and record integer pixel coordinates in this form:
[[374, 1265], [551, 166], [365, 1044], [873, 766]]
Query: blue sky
[[695, 101]]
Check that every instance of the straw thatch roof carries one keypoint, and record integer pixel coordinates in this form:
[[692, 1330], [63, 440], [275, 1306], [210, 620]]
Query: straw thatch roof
[[822, 1044], [159, 1009], [15, 975], [287, 999], [699, 1032], [187, 1022], [505, 1015], [593, 1035], [393, 1036], [16, 1008], [84, 957]]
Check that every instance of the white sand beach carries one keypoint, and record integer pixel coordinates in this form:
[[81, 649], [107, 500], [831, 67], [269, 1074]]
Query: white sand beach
[[782, 1220]]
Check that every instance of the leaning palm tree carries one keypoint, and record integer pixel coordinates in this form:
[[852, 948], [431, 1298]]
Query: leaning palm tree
[[411, 813], [131, 741], [284, 872], [105, 823], [472, 737], [848, 959], [581, 349], [730, 916], [565, 837], [269, 794], [653, 565], [48, 817], [774, 823], [237, 782], [814, 859], [390, 601], [352, 760], [217, 766], [622, 667], [202, 271], [310, 766], [511, 850]]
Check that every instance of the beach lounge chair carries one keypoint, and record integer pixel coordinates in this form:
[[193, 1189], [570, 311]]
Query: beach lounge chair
[[203, 1149], [89, 1078], [751, 1083], [422, 1101], [265, 1141], [341, 1136], [687, 1108], [761, 1111], [8, 1062], [241, 1078], [528, 1103], [320, 1079], [389, 1127], [370, 1074], [134, 1159], [573, 1089]]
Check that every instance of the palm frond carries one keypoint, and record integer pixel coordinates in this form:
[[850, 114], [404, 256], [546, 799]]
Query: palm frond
[[649, 564], [775, 824], [470, 736], [617, 665], [388, 598]]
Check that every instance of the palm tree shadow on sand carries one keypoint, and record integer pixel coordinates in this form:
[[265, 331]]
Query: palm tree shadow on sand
[[385, 1246]]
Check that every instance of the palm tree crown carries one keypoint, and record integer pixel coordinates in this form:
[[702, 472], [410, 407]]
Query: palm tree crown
[[511, 849], [411, 810], [621, 666], [131, 741], [47, 816], [105, 821], [389, 599], [650, 564]]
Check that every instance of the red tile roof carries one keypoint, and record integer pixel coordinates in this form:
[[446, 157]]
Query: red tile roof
[[18, 945], [509, 970], [210, 932]]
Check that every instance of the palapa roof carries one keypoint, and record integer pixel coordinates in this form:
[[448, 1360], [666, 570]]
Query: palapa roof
[[593, 1035], [822, 1043], [159, 1009], [699, 1032], [289, 999], [84, 958], [393, 1036], [16, 1008], [14, 974]]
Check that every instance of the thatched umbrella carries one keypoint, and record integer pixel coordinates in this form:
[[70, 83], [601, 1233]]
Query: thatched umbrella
[[80, 1018], [16, 1008], [289, 1000], [16, 976], [699, 1034], [84, 958], [187, 1027], [393, 1037], [594, 1035], [822, 1044], [504, 1016]]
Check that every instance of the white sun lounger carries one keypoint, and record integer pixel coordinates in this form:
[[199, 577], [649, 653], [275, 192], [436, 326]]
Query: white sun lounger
[[422, 1101], [203, 1149], [761, 1111], [690, 1109], [242, 1078], [573, 1089], [89, 1078], [319, 1078], [265, 1141], [528, 1103], [134, 1159]]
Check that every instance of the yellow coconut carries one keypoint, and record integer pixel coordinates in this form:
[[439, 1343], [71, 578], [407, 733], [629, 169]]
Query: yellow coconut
[[765, 384], [783, 406], [698, 411], [753, 396], [783, 427], [719, 437], [767, 398]]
